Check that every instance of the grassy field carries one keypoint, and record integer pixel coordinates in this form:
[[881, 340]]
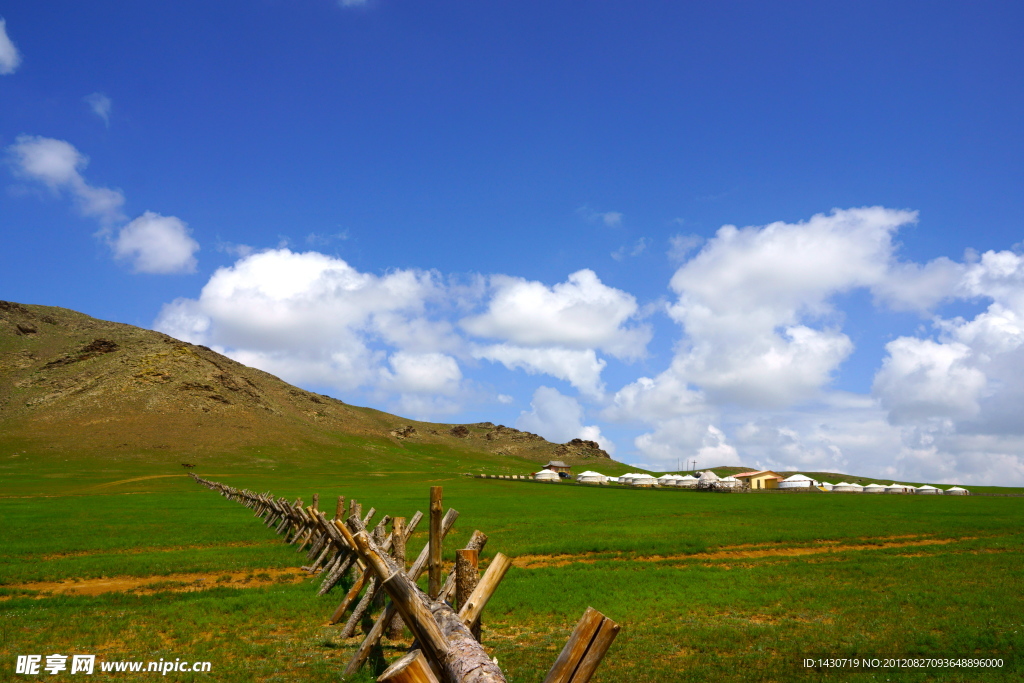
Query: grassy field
[[716, 587]]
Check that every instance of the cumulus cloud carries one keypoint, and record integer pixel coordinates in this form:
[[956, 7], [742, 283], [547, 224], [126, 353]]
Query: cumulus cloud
[[761, 337], [581, 313], [10, 58], [683, 439], [748, 299], [960, 387], [423, 373], [57, 165], [314, 319], [151, 243], [580, 367], [157, 244], [100, 105], [559, 418]]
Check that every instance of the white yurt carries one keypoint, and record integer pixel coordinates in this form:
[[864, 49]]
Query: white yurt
[[928, 490], [546, 475], [687, 481], [589, 477], [874, 488], [825, 485], [707, 478], [844, 487], [729, 483], [643, 480], [627, 478], [957, 491], [667, 479], [899, 488], [797, 481]]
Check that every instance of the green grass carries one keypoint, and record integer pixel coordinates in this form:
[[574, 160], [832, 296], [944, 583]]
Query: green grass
[[650, 559]]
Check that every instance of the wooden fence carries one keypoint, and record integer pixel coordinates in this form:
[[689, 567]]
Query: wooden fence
[[447, 645]]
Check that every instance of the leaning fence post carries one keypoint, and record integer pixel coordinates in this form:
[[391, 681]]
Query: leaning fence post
[[412, 668], [434, 583], [340, 509], [584, 650]]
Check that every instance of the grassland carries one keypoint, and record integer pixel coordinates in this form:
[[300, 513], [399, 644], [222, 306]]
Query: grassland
[[707, 586]]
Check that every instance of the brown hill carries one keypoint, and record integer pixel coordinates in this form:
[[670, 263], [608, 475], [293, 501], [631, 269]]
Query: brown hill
[[74, 383]]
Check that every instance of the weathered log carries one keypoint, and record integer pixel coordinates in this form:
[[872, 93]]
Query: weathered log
[[434, 581], [467, 576], [397, 627], [584, 650], [444, 638], [316, 501], [412, 668], [474, 606], [476, 542], [340, 509]]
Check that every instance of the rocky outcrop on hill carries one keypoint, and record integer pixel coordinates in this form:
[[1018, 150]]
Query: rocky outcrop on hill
[[579, 448], [503, 433]]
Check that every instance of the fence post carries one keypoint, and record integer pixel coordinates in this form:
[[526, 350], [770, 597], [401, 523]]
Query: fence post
[[466, 579], [434, 583]]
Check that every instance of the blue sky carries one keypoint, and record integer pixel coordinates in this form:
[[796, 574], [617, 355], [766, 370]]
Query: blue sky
[[515, 213]]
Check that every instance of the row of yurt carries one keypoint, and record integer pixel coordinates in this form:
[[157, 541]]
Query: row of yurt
[[546, 475]]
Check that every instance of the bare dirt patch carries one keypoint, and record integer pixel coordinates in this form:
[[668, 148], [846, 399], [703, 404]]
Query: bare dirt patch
[[178, 583], [747, 551]]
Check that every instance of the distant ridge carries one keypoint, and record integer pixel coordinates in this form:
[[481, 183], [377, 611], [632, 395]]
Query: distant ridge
[[75, 383]]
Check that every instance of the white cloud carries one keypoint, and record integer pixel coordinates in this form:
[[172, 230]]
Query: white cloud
[[423, 373], [10, 58], [638, 248], [680, 246], [684, 439], [581, 313], [315, 320], [921, 379], [611, 219], [580, 367], [56, 164], [747, 298], [157, 244], [101, 105], [559, 418]]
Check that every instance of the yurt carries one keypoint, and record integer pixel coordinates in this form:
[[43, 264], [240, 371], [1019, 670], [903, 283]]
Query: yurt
[[957, 491], [643, 480], [928, 490], [687, 481], [797, 481], [874, 488], [843, 487], [899, 488], [729, 483], [707, 478], [627, 478], [589, 477], [546, 475], [667, 479], [825, 485]]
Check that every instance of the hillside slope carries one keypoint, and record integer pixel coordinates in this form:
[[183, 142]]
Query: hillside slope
[[74, 383]]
